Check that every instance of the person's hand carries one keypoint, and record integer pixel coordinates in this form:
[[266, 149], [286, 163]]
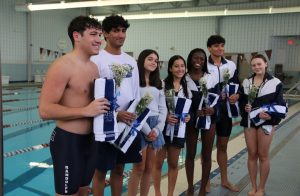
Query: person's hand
[[152, 135], [209, 111], [264, 116], [200, 113], [248, 108], [187, 118], [172, 119], [233, 98], [96, 107], [126, 117]]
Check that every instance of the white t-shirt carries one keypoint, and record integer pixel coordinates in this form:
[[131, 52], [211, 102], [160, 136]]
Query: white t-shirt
[[129, 88]]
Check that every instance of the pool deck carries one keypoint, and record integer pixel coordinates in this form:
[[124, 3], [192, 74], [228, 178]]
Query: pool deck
[[284, 163]]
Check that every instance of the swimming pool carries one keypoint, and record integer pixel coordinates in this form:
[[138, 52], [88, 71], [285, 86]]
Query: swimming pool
[[28, 166]]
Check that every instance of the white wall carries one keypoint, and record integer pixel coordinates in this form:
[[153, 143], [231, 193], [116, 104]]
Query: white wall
[[12, 34], [48, 27], [244, 34], [254, 33], [169, 36]]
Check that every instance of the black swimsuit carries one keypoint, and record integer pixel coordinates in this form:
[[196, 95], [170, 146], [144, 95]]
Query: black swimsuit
[[73, 158]]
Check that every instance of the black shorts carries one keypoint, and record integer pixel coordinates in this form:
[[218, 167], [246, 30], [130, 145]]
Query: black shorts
[[108, 156], [177, 142], [223, 123], [73, 158]]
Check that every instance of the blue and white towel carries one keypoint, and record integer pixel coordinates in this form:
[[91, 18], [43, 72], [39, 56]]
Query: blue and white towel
[[232, 109], [205, 121], [129, 133], [273, 110], [182, 107], [105, 125]]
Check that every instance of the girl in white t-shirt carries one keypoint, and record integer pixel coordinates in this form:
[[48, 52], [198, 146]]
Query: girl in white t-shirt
[[152, 138]]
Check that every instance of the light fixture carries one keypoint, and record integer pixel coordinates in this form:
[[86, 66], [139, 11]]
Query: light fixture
[[225, 12], [83, 4]]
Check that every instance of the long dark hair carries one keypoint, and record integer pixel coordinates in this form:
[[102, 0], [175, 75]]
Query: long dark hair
[[154, 78], [169, 79], [189, 60]]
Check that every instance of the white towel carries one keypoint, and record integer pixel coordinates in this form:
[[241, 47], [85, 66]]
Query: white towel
[[205, 121], [129, 133], [182, 107], [105, 125], [232, 109]]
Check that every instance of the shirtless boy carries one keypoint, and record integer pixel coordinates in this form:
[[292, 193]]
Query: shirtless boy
[[67, 97]]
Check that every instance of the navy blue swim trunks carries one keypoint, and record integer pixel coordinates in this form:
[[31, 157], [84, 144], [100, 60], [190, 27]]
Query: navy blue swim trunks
[[73, 158], [223, 123]]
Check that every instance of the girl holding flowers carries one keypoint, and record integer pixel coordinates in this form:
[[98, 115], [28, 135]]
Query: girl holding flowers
[[258, 90], [174, 82], [198, 73], [152, 138]]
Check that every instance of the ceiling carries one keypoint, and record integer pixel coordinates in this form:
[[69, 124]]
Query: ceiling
[[187, 5]]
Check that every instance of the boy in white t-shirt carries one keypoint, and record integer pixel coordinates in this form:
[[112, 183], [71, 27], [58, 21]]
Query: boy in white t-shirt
[[108, 156]]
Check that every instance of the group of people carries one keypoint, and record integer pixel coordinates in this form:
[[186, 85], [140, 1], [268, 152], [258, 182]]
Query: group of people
[[67, 96]]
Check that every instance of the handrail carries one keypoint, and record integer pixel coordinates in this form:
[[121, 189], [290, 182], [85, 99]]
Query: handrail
[[291, 96], [293, 87]]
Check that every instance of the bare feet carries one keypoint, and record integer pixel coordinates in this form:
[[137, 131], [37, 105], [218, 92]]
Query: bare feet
[[207, 187], [157, 193], [190, 191], [231, 187], [259, 193], [252, 192]]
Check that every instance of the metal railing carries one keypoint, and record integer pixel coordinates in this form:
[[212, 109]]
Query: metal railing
[[293, 93]]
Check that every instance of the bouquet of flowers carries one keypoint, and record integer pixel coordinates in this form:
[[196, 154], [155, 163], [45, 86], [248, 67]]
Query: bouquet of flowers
[[203, 87], [252, 93], [120, 71], [226, 76], [143, 104], [251, 96], [170, 94], [179, 108]]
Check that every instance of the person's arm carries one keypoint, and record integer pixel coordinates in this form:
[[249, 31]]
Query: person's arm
[[209, 111], [278, 99], [54, 86], [163, 111]]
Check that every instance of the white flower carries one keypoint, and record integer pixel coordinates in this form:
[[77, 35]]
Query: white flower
[[120, 71], [143, 104], [203, 86], [170, 100], [226, 76], [252, 93]]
